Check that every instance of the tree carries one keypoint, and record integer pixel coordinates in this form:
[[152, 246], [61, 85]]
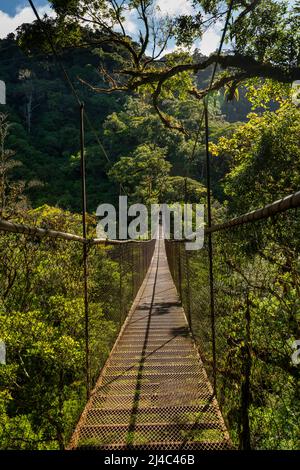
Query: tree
[[54, 136], [144, 174], [42, 385], [263, 153], [12, 197], [263, 35], [181, 189]]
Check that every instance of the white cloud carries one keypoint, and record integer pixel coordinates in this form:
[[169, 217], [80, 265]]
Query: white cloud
[[8, 24], [130, 24], [174, 7], [210, 42], [210, 39], [207, 44], [169, 50]]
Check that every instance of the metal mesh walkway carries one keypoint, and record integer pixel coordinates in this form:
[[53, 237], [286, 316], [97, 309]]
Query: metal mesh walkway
[[153, 392]]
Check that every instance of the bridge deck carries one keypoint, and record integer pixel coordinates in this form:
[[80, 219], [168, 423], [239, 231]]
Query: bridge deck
[[153, 392]]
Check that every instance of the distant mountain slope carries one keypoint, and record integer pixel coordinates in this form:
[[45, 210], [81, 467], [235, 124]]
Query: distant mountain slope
[[45, 122]]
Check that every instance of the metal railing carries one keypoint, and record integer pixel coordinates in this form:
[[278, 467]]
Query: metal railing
[[53, 349], [246, 323]]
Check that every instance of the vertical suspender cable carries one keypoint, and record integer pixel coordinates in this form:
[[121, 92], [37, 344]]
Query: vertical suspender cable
[[85, 254], [60, 64], [210, 247], [208, 184]]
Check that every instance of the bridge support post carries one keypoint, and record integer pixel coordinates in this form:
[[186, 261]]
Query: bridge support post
[[179, 273], [144, 261], [121, 285], [132, 272], [245, 441], [210, 248], [85, 250], [188, 290]]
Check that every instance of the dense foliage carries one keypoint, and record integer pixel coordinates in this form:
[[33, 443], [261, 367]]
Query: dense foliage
[[44, 129], [44, 126], [263, 154], [256, 294], [42, 386]]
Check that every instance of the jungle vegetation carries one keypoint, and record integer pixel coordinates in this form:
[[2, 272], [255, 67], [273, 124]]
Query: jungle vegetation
[[145, 107]]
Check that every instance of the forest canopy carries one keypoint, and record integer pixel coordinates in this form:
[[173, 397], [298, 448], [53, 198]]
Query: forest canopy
[[145, 93], [262, 41]]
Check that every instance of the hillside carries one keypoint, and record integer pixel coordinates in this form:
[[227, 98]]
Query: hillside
[[44, 119]]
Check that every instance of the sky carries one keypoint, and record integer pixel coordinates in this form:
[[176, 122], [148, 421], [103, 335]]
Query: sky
[[15, 12]]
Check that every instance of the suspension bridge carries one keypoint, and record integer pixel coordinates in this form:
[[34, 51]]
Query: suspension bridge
[[176, 365], [187, 370], [153, 391]]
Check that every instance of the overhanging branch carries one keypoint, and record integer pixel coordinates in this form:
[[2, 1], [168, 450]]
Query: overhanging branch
[[249, 66]]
